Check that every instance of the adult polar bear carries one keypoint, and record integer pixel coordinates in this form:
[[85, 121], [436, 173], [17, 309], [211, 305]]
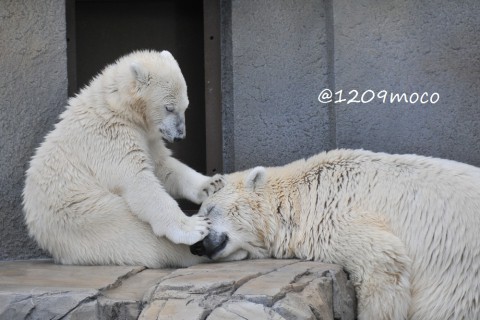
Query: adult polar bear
[[405, 227], [99, 188]]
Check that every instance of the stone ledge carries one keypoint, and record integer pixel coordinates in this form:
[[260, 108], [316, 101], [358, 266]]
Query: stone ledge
[[256, 289]]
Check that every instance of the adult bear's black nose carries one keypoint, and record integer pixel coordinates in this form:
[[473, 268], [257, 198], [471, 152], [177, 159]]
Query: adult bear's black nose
[[211, 245], [198, 249]]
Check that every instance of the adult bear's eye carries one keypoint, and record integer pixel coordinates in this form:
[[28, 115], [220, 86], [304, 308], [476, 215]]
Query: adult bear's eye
[[169, 108], [210, 209]]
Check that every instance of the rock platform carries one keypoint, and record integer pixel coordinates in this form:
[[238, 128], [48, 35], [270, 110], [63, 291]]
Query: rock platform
[[255, 289]]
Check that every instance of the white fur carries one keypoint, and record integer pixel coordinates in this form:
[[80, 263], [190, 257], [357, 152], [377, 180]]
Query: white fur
[[100, 188], [406, 227]]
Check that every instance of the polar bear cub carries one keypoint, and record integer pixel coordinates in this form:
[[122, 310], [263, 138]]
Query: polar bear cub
[[100, 189], [405, 227]]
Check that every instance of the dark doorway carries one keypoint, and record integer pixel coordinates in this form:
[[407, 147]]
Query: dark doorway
[[100, 31]]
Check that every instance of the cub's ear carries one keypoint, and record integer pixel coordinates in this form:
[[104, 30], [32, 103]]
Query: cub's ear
[[256, 178], [166, 54], [140, 73]]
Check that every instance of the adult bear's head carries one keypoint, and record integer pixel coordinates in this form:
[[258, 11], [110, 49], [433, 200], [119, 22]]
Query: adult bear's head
[[240, 217]]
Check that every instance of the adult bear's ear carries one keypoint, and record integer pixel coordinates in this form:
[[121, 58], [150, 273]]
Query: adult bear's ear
[[140, 73], [256, 178]]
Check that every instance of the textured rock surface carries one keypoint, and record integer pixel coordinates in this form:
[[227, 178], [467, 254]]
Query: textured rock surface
[[261, 289], [258, 289], [39, 289]]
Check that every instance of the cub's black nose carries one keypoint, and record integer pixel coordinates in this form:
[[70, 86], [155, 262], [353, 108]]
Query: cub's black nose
[[177, 139], [198, 248]]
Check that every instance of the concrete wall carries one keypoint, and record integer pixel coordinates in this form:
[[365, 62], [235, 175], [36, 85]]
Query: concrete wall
[[277, 57], [284, 53], [33, 91], [279, 51], [410, 46]]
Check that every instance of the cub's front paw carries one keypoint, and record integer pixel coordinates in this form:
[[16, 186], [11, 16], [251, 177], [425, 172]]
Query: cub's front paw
[[189, 230], [214, 184]]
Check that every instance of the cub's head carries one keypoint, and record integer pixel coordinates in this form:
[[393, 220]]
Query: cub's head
[[239, 216], [161, 90]]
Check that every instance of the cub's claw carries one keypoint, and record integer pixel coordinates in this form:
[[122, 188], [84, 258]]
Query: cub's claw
[[215, 183]]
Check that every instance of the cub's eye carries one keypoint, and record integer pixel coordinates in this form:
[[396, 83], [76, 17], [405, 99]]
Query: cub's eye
[[169, 108]]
